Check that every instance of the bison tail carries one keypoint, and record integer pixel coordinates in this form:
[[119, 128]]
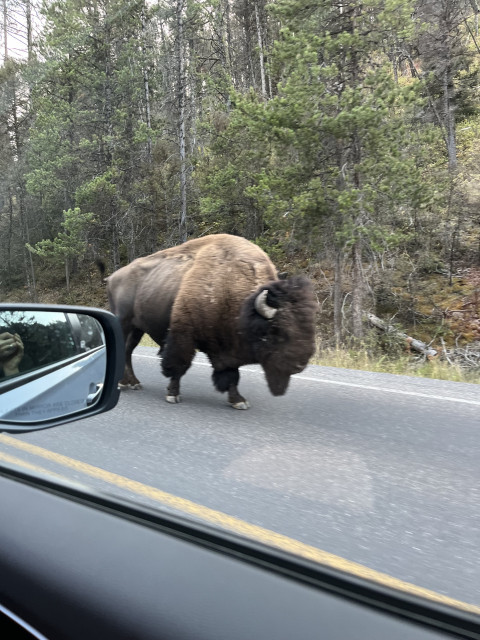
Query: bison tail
[[101, 267]]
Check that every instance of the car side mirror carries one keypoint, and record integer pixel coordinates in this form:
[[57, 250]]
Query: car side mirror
[[57, 364]]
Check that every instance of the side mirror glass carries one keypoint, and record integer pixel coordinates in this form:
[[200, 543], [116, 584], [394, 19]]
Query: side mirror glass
[[55, 363]]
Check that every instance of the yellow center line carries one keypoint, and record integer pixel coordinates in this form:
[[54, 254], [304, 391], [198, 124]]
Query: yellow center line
[[28, 465], [238, 526]]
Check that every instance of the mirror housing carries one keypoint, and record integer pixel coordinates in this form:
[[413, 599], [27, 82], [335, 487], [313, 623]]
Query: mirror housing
[[78, 379]]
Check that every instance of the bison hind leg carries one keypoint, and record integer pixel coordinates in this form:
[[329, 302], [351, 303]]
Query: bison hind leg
[[130, 380], [227, 380]]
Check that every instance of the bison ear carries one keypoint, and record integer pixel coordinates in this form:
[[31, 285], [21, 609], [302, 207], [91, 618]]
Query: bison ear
[[283, 275]]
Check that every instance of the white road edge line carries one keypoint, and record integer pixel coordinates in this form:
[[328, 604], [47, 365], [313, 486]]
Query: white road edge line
[[351, 384]]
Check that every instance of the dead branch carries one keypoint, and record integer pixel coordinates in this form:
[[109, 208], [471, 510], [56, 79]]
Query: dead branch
[[412, 343]]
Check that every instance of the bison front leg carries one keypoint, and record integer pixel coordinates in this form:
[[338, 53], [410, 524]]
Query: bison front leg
[[177, 356], [227, 380]]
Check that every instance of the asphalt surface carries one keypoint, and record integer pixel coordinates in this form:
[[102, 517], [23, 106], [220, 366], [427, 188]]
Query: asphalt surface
[[379, 469]]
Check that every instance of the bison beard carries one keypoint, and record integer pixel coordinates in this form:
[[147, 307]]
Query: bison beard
[[198, 296]]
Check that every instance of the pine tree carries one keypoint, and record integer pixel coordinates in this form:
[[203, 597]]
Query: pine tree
[[69, 244], [94, 130], [333, 149]]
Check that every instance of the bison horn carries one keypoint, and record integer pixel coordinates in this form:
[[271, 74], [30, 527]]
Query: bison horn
[[262, 307]]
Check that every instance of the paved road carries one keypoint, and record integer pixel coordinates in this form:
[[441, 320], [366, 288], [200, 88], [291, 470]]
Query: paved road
[[378, 469]]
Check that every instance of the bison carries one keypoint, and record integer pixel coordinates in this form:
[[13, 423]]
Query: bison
[[221, 295]]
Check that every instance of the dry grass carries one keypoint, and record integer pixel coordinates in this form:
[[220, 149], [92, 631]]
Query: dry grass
[[146, 341], [362, 359]]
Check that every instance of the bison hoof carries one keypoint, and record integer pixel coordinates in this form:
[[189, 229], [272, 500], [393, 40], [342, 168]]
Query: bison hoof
[[240, 405], [123, 385], [173, 399]]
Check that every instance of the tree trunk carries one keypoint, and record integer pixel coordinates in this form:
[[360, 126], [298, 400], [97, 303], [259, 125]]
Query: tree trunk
[[337, 297], [181, 121], [357, 294], [28, 10], [107, 141], [358, 280], [108, 100], [115, 247], [28, 259], [452, 229], [67, 274], [10, 237], [146, 86], [192, 86], [449, 118], [5, 32], [21, 195], [476, 11], [229, 56], [248, 44], [394, 63], [260, 53]]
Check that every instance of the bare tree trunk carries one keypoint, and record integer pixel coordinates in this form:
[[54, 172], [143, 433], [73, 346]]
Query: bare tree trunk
[[394, 63], [337, 286], [5, 32], [452, 228], [21, 196], [67, 274], [357, 294], [28, 10], [28, 259], [449, 118], [337, 297], [358, 280], [146, 86], [476, 11], [10, 237], [115, 248], [192, 86], [108, 100], [228, 27], [132, 245], [260, 52], [248, 43], [181, 121], [107, 142]]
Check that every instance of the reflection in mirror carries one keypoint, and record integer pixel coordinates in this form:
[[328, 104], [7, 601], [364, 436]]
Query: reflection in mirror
[[51, 364]]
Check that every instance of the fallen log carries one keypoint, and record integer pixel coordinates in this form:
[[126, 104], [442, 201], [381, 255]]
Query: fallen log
[[412, 343]]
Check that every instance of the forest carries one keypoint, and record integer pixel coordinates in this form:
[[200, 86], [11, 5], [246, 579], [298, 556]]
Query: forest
[[340, 136]]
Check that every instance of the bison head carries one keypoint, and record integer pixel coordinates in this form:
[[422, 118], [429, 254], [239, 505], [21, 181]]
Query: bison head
[[278, 323]]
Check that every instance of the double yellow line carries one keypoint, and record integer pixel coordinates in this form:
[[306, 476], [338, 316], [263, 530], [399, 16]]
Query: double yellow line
[[225, 521]]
